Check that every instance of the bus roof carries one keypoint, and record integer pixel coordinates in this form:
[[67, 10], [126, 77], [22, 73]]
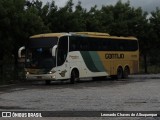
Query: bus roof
[[49, 35], [85, 34], [103, 35], [92, 33]]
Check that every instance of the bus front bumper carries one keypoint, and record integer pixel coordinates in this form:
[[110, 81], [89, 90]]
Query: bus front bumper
[[40, 77]]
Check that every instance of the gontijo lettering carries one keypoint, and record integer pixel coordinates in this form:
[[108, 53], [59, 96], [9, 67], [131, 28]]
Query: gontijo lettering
[[114, 56]]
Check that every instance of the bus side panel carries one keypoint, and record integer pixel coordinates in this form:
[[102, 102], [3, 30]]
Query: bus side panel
[[76, 61], [88, 63], [112, 60]]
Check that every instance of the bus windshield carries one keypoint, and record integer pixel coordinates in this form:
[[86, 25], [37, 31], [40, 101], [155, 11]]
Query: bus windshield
[[39, 53]]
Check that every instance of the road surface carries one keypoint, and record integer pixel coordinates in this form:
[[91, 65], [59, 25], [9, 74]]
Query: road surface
[[138, 93]]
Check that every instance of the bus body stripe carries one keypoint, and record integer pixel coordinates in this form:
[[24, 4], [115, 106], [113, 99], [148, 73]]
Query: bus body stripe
[[92, 61], [97, 61]]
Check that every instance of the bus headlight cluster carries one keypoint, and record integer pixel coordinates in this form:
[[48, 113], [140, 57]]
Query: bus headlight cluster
[[51, 72]]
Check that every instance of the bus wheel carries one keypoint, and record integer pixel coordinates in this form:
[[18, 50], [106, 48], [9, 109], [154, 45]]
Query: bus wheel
[[126, 72], [119, 73], [74, 76], [48, 82]]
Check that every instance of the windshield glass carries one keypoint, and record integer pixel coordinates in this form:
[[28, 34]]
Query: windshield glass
[[39, 53]]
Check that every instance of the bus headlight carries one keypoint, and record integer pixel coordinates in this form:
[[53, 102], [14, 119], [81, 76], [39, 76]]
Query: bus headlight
[[51, 72]]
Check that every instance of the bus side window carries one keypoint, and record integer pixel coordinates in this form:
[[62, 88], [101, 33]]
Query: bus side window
[[72, 46], [73, 43], [121, 45], [106, 44]]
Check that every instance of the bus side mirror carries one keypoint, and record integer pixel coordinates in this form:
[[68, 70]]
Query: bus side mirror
[[54, 50], [20, 51]]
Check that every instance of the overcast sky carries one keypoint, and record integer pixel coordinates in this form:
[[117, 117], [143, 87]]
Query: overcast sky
[[147, 5]]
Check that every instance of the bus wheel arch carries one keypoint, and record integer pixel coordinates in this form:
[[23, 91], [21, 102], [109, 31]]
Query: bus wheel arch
[[126, 71], [119, 72], [74, 75]]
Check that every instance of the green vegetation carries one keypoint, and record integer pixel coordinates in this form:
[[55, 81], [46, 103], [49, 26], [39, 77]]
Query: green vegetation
[[20, 19]]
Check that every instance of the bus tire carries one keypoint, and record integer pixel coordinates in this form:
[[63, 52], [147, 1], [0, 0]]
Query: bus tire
[[126, 72], [119, 72], [74, 76], [48, 82]]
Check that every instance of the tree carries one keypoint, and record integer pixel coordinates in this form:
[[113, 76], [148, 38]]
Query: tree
[[60, 20], [93, 20], [17, 23], [154, 36], [79, 18]]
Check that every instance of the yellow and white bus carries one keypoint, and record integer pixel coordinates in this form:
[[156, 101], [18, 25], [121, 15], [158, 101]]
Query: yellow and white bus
[[61, 56]]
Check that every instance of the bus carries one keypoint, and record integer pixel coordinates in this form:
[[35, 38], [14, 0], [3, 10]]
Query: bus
[[75, 55]]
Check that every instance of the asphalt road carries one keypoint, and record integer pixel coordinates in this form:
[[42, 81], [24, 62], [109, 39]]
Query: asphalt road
[[138, 93]]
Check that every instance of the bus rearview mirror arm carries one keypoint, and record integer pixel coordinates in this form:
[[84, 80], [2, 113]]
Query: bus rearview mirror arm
[[54, 50], [20, 51]]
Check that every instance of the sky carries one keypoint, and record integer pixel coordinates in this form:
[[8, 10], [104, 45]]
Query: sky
[[147, 5]]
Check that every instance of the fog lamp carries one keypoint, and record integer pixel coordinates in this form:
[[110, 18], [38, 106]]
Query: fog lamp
[[27, 73]]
